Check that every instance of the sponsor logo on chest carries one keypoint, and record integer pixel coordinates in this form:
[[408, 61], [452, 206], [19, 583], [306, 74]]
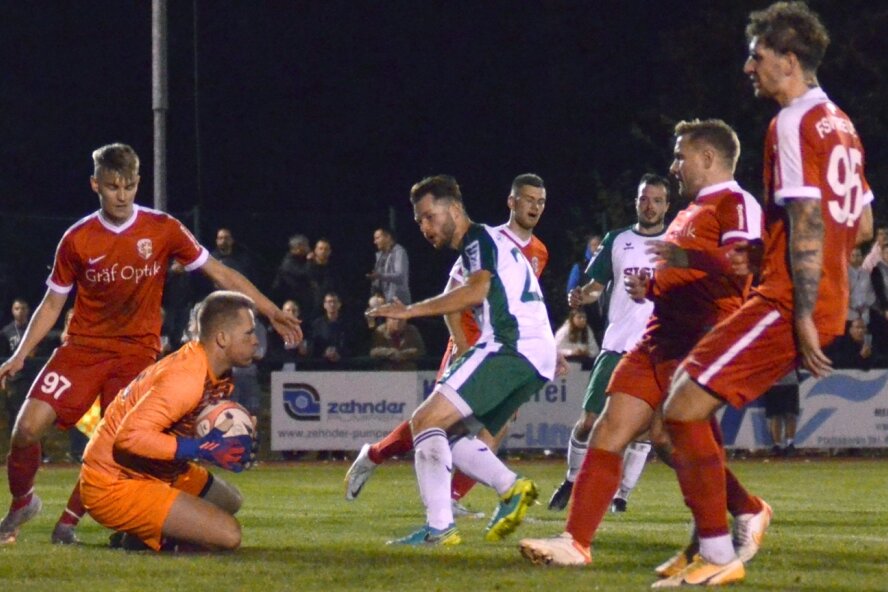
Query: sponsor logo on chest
[[125, 272]]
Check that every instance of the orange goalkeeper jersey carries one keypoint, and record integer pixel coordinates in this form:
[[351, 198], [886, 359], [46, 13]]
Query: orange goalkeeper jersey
[[137, 436]]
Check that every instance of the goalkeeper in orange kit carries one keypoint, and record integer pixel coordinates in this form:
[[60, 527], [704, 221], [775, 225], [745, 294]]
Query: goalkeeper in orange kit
[[138, 477]]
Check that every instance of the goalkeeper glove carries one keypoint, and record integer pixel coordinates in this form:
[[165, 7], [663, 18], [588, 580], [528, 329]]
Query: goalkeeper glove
[[231, 453]]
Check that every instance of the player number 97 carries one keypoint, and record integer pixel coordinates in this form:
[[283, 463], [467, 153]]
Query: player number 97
[[55, 384]]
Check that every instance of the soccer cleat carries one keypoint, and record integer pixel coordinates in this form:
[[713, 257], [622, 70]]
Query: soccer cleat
[[9, 526], [430, 536], [618, 505], [680, 560], [749, 531], [460, 511], [511, 510], [558, 550], [561, 496], [358, 473], [127, 542], [64, 534], [703, 573]]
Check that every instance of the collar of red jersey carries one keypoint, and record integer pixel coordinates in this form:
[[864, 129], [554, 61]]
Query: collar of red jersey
[[122, 227], [732, 185]]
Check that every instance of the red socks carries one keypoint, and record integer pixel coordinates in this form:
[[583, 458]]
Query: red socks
[[739, 500], [74, 511], [701, 471], [398, 441], [460, 485], [597, 482], [21, 467]]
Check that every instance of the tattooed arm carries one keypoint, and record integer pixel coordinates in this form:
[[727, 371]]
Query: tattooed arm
[[806, 261]]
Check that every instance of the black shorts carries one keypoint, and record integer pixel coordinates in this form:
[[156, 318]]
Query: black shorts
[[782, 399]]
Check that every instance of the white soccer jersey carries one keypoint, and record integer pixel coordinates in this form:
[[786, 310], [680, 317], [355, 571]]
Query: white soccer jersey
[[513, 314], [622, 252]]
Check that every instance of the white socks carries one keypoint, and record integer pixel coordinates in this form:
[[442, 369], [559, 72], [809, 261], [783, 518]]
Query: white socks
[[434, 469], [475, 459], [634, 460], [718, 549], [576, 452]]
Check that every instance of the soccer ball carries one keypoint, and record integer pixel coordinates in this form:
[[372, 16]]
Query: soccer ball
[[227, 416]]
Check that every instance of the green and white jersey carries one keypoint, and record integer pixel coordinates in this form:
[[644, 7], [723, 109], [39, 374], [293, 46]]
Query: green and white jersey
[[622, 252], [513, 315]]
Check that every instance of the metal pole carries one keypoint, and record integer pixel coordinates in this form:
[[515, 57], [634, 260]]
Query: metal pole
[[197, 155], [159, 98]]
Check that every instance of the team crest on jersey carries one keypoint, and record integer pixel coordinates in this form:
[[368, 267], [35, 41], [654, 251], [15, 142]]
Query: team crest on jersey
[[145, 248]]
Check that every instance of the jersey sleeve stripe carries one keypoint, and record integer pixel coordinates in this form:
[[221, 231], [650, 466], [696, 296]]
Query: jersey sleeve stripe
[[782, 195], [789, 139], [57, 288], [201, 259], [739, 235], [753, 212]]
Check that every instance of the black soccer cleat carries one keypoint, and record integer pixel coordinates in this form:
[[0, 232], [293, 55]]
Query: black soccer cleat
[[561, 497]]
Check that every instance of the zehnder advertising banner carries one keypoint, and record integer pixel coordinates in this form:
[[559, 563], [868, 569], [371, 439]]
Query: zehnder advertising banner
[[343, 410]]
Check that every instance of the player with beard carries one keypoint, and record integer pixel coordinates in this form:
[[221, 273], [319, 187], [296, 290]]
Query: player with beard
[[526, 202], [622, 252], [513, 358]]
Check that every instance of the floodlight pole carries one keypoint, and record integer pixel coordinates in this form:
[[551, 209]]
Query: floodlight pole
[[159, 98]]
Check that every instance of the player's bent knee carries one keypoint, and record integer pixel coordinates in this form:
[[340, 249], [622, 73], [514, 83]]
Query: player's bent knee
[[26, 433], [231, 537], [224, 495]]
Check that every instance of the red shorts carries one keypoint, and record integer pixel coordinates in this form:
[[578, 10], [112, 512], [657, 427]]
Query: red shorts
[[745, 354], [646, 371], [75, 375]]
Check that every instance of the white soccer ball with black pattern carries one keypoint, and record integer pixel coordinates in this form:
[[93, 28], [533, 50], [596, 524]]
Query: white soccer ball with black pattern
[[228, 417]]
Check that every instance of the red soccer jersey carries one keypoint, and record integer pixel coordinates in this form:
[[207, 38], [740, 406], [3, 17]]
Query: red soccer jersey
[[812, 151], [688, 302], [119, 272]]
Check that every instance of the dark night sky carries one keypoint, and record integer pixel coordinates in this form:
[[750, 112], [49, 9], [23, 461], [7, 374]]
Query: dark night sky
[[318, 116]]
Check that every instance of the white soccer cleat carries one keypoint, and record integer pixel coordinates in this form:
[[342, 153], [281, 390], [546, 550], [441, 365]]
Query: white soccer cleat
[[749, 531], [358, 473], [557, 550]]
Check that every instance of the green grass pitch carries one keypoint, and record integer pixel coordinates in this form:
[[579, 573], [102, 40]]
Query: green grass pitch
[[830, 532]]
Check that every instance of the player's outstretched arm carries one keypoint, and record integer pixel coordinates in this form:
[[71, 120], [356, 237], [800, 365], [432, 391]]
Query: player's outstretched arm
[[44, 319], [806, 261], [287, 326], [472, 293]]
